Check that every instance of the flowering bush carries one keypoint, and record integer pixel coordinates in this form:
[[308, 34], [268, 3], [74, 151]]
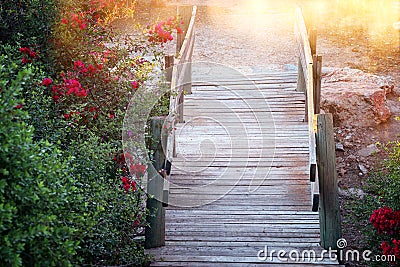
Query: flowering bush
[[386, 221], [380, 227], [67, 105], [33, 175], [162, 32]]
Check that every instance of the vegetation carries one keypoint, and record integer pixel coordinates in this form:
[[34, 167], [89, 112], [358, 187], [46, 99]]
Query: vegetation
[[68, 196], [377, 213]]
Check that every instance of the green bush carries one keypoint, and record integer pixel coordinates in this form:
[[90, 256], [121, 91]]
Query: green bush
[[28, 21], [59, 207], [35, 185], [111, 216]]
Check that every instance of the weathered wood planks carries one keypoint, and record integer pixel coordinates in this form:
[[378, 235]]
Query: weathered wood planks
[[240, 180]]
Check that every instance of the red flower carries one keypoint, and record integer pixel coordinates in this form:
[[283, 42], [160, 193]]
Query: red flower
[[82, 26], [18, 106], [24, 60], [64, 21], [385, 220], [47, 81], [78, 65], [67, 116], [128, 184], [81, 93], [32, 54], [91, 69], [28, 52], [135, 85], [25, 50]]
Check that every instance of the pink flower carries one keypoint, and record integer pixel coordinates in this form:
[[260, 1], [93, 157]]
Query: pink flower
[[135, 85], [47, 81], [78, 65]]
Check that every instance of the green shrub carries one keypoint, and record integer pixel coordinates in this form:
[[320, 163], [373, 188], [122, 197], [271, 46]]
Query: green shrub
[[59, 208], [35, 185], [28, 21], [112, 216]]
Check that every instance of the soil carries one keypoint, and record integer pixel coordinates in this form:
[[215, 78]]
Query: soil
[[257, 36]]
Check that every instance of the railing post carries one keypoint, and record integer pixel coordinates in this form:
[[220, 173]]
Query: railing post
[[168, 65], [179, 110], [317, 72], [312, 37], [155, 230], [329, 211]]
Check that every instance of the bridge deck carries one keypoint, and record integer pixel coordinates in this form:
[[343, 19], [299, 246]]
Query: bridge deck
[[240, 178]]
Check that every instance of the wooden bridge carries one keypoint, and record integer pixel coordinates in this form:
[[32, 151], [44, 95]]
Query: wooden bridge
[[248, 160]]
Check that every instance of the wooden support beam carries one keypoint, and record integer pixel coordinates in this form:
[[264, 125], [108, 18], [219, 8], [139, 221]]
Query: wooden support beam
[[329, 210], [155, 230]]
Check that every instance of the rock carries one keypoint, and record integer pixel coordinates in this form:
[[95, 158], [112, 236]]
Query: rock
[[362, 169], [355, 98], [367, 151], [381, 110], [342, 172], [339, 147], [351, 158], [352, 192]]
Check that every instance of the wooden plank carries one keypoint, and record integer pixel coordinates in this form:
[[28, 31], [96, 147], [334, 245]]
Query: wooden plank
[[231, 264], [212, 260]]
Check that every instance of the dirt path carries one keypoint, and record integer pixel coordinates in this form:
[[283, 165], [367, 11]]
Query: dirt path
[[246, 39]]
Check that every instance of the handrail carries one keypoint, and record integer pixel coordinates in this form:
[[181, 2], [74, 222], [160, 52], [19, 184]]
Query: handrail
[[323, 177], [181, 74], [306, 84]]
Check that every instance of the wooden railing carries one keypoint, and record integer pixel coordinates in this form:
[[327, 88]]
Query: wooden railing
[[163, 146], [181, 73], [322, 161]]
